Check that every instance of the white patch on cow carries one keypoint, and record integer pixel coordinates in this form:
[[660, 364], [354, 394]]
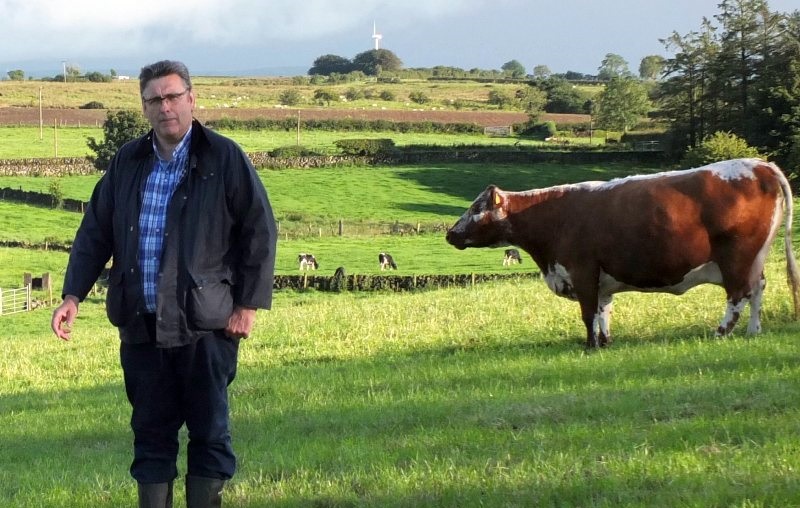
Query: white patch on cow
[[570, 187], [732, 313], [754, 325], [725, 170], [559, 281], [602, 318], [707, 273], [757, 267]]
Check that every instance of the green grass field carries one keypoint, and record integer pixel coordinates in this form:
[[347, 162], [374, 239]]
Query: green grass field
[[481, 396], [463, 398], [26, 142]]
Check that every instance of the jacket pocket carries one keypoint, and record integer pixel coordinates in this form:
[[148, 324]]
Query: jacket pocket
[[116, 300], [210, 302]]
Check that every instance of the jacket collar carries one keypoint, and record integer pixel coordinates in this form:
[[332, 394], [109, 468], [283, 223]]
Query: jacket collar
[[200, 143]]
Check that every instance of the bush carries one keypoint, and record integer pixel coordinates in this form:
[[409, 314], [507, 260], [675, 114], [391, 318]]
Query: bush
[[718, 147], [92, 105], [354, 94], [290, 97], [118, 129], [292, 151], [419, 97], [365, 147], [387, 95], [56, 194], [500, 99], [540, 130]]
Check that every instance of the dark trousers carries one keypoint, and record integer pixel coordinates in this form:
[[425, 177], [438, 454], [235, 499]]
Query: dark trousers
[[168, 387]]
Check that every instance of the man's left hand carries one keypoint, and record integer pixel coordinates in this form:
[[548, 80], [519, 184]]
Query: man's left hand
[[240, 322]]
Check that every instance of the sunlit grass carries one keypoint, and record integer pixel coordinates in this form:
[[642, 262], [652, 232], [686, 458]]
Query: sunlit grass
[[465, 397]]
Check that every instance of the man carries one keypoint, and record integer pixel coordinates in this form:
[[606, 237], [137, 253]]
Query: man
[[191, 232]]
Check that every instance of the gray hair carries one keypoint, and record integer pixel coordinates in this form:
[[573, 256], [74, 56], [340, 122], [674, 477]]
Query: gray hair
[[161, 69]]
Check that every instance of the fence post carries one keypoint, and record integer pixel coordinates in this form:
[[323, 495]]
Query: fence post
[[341, 227], [28, 298]]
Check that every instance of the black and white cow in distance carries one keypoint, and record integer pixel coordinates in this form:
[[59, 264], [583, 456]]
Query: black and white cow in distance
[[511, 257], [665, 232], [307, 261], [385, 261]]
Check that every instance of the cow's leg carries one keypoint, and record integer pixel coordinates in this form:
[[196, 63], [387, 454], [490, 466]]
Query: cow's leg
[[754, 325], [732, 313], [589, 315], [603, 320]]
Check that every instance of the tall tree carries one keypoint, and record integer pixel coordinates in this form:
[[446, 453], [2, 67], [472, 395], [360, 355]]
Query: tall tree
[[782, 97], [513, 69], [622, 104], [613, 66], [651, 67], [375, 61], [739, 58], [541, 71], [326, 65], [684, 93]]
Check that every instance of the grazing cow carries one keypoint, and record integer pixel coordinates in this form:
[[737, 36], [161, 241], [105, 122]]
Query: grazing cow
[[307, 261], [511, 257], [385, 261], [665, 232]]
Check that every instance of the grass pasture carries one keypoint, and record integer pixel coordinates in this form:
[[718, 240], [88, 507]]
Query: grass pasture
[[30, 142], [439, 398], [471, 397]]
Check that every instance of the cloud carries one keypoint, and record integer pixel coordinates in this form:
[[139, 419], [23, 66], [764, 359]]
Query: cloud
[[56, 29]]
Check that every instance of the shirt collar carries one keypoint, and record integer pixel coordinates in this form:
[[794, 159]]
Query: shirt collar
[[180, 149]]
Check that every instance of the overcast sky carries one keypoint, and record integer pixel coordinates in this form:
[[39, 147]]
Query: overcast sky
[[285, 36]]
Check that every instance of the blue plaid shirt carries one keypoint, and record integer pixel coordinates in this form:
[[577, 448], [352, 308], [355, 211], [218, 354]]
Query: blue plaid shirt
[[158, 190]]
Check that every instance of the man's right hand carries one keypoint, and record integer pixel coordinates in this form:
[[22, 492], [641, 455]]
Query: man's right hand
[[65, 314]]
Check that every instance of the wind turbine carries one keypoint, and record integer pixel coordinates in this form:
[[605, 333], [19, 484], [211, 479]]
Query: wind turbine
[[376, 36]]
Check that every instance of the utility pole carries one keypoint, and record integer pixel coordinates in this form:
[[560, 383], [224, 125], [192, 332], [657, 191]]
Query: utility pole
[[64, 66]]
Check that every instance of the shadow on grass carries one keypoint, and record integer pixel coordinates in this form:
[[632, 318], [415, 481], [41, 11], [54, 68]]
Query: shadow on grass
[[474, 178]]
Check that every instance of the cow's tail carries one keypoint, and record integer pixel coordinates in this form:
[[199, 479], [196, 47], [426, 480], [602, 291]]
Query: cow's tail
[[792, 272]]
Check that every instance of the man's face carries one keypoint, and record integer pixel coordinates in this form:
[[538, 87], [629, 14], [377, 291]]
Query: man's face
[[168, 105]]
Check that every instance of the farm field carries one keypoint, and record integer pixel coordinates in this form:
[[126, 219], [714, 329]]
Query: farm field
[[369, 200], [480, 396], [31, 142], [465, 397], [231, 94]]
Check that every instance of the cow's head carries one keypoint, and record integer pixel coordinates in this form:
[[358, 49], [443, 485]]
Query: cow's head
[[484, 224]]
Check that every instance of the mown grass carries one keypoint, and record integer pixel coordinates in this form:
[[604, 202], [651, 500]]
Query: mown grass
[[31, 142], [464, 397], [26, 142]]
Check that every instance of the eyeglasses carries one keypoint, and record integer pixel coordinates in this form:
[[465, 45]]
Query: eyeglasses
[[170, 98]]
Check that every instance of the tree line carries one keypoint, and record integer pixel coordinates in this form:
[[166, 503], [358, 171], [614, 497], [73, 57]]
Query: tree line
[[738, 73]]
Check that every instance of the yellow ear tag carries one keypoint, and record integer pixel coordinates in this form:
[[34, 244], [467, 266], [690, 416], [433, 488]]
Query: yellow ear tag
[[497, 199]]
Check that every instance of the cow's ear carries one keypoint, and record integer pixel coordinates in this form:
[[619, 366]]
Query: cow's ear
[[497, 198]]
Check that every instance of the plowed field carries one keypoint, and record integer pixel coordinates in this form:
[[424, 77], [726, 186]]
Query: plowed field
[[86, 117]]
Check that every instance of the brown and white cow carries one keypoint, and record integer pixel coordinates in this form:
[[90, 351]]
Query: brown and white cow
[[665, 232]]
